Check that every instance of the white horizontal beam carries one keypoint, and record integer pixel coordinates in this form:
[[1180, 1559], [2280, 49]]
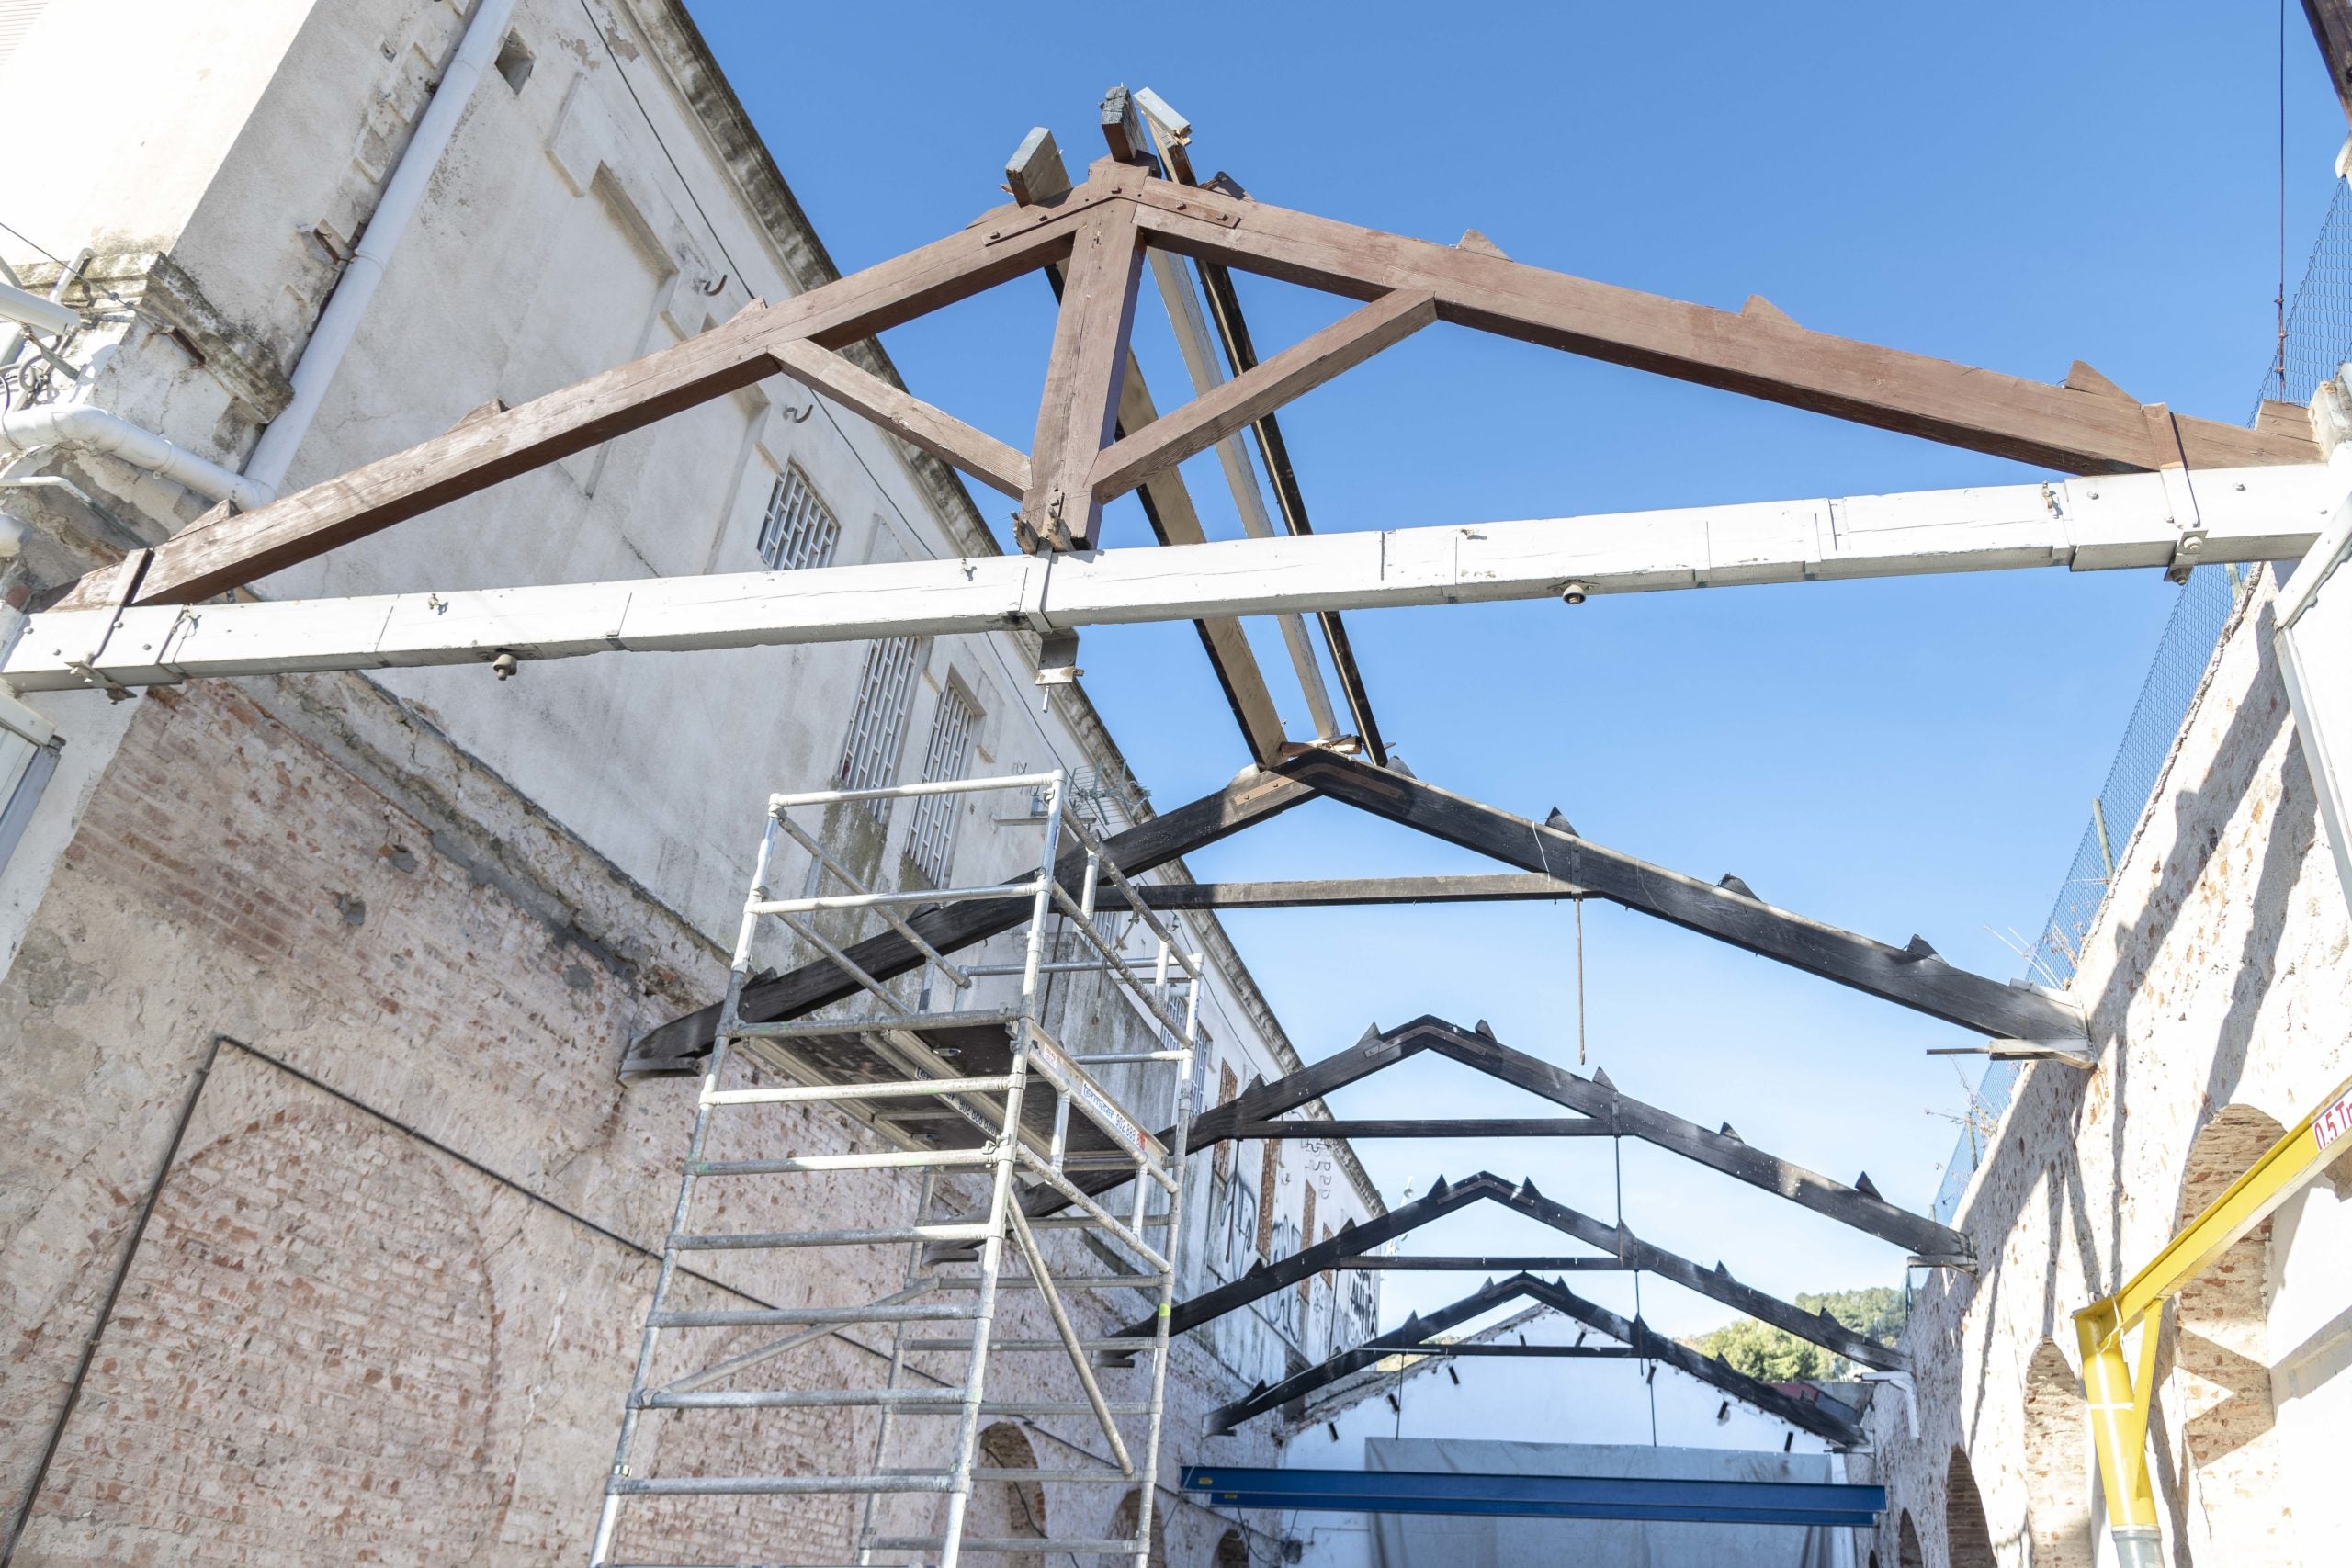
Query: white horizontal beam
[[2094, 523]]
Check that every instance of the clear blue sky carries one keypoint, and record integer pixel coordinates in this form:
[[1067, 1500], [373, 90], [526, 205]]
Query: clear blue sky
[[2013, 186]]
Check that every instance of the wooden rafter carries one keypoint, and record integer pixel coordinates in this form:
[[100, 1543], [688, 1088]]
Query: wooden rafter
[[942, 434], [2083, 425]]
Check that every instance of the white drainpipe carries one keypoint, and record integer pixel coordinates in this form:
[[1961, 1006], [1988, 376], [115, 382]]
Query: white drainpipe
[[339, 323], [26, 431]]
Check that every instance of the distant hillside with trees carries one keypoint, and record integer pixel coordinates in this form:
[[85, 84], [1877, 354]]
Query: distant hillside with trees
[[1775, 1355]]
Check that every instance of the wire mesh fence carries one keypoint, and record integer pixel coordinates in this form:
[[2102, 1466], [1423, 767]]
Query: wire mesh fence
[[2317, 342]]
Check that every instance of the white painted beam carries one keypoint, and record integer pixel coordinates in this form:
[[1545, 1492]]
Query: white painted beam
[[2096, 524]]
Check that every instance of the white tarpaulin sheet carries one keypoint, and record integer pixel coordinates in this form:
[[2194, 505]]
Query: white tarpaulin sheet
[[1435, 1540]]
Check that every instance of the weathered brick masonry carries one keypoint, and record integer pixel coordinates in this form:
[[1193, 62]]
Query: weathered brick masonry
[[2221, 989], [384, 1307]]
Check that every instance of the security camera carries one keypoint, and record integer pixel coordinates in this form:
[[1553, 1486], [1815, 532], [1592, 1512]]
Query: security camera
[[1573, 593]]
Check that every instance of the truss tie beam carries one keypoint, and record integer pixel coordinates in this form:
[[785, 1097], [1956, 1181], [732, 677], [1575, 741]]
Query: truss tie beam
[[2130, 520], [1420, 1332]]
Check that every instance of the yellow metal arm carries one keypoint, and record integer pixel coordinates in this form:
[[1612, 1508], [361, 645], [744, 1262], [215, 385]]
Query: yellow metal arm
[[2119, 1394]]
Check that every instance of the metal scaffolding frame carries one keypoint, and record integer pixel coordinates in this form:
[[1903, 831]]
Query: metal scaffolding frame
[[925, 1081]]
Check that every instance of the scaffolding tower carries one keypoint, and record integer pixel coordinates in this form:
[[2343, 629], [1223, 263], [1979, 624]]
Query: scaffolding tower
[[953, 1091]]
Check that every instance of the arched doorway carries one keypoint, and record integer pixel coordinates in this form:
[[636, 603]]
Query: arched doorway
[[2221, 1359], [1968, 1540], [1907, 1544], [1123, 1523], [1232, 1552], [1006, 1509], [2057, 1463]]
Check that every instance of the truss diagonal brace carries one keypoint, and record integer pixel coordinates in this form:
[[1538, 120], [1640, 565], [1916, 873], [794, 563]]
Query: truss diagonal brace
[[1908, 977], [1761, 353]]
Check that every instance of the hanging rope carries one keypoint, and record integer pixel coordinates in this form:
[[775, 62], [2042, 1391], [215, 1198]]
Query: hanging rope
[[1579, 981], [2282, 362]]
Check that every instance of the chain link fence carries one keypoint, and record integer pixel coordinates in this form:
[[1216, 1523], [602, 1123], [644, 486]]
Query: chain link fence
[[2318, 341]]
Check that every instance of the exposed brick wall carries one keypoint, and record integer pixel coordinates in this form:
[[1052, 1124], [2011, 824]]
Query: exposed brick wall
[[399, 1329], [2057, 1461], [1968, 1539], [300, 1367], [2219, 984]]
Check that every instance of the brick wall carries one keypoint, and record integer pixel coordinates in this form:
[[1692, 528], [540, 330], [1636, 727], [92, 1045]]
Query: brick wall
[[386, 1306]]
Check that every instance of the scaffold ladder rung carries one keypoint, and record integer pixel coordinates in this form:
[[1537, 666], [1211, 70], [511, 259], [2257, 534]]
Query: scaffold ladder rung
[[876, 1236], [778, 1317], [776, 1485], [957, 1244]]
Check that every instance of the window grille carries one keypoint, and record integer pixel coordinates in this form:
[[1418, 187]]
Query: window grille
[[875, 729], [931, 842], [798, 530]]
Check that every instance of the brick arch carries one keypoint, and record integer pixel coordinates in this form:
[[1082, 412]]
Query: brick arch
[[1123, 1523], [1907, 1552], [1968, 1540], [2221, 1356], [302, 1367], [1005, 1509], [2057, 1463]]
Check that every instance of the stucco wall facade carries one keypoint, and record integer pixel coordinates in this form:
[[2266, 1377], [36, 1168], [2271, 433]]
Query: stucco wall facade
[[2219, 986]]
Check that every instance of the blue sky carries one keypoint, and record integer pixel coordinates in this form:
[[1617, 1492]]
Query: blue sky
[[2013, 186]]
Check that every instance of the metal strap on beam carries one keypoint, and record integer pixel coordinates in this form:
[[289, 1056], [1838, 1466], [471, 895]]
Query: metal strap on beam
[[2249, 514]]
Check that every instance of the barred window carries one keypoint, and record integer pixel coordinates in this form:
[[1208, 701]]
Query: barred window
[[931, 842], [870, 755], [797, 531]]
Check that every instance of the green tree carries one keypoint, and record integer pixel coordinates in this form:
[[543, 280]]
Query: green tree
[[1774, 1354]]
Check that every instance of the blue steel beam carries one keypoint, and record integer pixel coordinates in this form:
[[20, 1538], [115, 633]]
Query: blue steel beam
[[1540, 1497]]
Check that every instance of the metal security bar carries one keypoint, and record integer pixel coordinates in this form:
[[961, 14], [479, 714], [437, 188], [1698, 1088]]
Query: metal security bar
[[798, 531], [985, 1090]]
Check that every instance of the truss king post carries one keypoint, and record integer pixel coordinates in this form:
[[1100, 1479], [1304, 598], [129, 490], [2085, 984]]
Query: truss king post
[[1081, 404], [984, 1091]]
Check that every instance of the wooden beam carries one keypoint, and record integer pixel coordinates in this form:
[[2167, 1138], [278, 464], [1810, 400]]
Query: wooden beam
[[1421, 1329], [2331, 23], [1914, 978], [1235, 404], [1252, 796], [1342, 891], [1461, 1127], [2109, 524], [1758, 353], [1035, 173], [1167, 507], [1445, 1264], [1722, 1150], [217, 557], [942, 434], [1715, 1284], [1080, 403]]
